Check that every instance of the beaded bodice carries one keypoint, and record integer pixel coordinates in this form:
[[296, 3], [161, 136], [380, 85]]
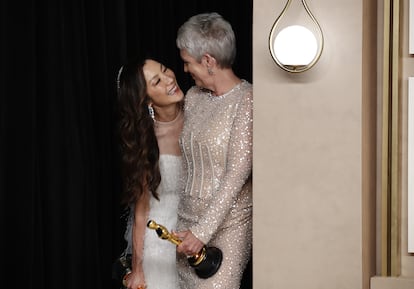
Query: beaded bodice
[[216, 145]]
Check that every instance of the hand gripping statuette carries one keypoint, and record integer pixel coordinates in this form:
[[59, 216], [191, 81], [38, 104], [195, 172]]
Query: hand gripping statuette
[[205, 263]]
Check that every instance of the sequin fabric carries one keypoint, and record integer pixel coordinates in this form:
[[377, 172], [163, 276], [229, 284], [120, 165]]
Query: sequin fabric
[[216, 204]]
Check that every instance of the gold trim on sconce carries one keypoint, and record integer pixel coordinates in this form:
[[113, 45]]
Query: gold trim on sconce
[[296, 47]]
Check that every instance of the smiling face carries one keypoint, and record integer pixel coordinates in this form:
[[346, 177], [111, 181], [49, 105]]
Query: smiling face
[[162, 85], [197, 70]]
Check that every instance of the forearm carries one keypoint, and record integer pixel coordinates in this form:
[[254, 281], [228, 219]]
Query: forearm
[[138, 231]]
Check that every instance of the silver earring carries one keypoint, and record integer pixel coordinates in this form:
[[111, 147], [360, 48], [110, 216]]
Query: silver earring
[[210, 72], [151, 112]]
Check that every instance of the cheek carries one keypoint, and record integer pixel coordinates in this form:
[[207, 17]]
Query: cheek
[[156, 95], [197, 70]]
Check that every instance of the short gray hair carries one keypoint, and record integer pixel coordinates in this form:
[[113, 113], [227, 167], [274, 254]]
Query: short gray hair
[[208, 33]]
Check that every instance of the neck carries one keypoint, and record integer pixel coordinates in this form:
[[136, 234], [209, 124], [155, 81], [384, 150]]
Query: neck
[[225, 81], [167, 114]]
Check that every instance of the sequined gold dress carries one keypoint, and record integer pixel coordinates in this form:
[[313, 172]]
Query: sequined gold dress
[[216, 204]]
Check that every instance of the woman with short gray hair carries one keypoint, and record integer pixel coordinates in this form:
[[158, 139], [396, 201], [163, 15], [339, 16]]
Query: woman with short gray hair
[[215, 208]]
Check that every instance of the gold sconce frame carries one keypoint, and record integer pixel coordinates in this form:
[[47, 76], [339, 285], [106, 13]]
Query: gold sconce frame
[[295, 68]]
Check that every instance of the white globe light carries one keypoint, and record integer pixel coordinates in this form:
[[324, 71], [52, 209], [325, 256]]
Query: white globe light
[[295, 45]]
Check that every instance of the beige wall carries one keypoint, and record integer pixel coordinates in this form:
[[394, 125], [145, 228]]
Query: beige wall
[[307, 156], [312, 169]]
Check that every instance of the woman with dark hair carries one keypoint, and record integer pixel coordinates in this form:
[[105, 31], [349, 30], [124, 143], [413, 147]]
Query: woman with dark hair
[[151, 120]]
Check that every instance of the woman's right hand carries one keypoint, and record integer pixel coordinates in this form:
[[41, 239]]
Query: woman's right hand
[[190, 245], [134, 280]]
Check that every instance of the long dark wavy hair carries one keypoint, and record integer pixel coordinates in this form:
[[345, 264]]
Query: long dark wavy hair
[[139, 147]]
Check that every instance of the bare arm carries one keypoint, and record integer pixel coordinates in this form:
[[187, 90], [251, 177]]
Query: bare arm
[[137, 278]]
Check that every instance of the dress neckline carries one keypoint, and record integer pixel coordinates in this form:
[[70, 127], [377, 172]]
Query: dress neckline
[[237, 86]]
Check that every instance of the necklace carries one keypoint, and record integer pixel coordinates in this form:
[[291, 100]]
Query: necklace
[[169, 122], [177, 112]]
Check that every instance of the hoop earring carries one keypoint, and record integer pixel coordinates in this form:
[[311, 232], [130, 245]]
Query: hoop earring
[[151, 112]]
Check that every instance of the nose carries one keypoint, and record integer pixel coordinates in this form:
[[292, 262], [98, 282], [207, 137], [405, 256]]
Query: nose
[[168, 78]]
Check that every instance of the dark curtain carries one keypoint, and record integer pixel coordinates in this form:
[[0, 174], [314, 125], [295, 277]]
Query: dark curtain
[[59, 175]]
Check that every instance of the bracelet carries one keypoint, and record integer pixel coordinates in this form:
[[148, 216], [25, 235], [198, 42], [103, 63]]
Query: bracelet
[[125, 278], [125, 284]]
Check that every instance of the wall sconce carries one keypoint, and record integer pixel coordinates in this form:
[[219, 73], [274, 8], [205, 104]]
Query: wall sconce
[[296, 39]]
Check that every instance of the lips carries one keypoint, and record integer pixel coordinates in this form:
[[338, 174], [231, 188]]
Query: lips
[[172, 90]]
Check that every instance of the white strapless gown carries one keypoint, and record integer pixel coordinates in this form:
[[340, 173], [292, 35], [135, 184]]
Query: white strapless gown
[[159, 259]]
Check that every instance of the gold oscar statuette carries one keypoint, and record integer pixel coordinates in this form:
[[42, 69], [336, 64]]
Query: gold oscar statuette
[[205, 263]]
